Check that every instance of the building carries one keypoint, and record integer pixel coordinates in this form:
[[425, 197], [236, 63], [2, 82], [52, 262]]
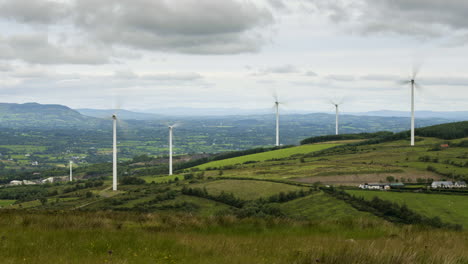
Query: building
[[48, 180], [442, 184], [460, 184], [26, 182], [381, 186], [16, 182]]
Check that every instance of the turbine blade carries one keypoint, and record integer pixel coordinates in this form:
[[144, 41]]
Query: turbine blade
[[274, 94], [416, 68]]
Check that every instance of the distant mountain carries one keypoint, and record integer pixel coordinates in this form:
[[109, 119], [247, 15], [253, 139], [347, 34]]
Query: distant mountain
[[456, 115], [187, 111], [42, 115], [122, 114]]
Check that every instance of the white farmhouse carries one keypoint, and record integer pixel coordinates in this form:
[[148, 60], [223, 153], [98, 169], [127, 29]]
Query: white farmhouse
[[442, 184], [16, 182], [460, 184], [48, 180], [26, 182]]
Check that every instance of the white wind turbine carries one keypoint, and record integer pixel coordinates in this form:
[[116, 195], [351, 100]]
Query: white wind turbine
[[114, 153], [337, 105], [71, 170], [413, 85], [171, 129], [276, 106]]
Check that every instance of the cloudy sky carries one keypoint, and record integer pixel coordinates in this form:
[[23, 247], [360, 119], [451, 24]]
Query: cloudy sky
[[150, 54]]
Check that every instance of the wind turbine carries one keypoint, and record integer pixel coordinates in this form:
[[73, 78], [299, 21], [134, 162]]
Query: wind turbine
[[413, 85], [170, 148], [114, 152], [71, 170], [276, 107], [171, 129], [337, 116]]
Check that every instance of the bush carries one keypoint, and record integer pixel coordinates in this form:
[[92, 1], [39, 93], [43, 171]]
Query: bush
[[132, 181]]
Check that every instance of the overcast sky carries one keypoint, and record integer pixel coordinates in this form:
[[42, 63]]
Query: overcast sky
[[149, 54]]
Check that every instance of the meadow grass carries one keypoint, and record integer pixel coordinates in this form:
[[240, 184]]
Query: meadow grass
[[6, 203], [450, 208], [320, 206], [274, 154], [104, 237], [246, 190]]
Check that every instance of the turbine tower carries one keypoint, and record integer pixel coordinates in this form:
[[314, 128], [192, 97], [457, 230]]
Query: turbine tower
[[336, 117], [277, 122], [413, 85], [114, 160], [71, 170], [170, 149]]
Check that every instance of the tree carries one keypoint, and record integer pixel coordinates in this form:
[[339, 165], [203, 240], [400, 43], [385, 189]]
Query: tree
[[43, 200], [390, 178]]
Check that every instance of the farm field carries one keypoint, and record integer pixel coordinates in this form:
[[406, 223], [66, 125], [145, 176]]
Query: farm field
[[450, 208], [247, 189], [355, 165], [320, 206], [274, 154]]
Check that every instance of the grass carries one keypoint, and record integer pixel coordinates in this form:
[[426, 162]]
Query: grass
[[274, 154], [6, 203], [201, 206], [320, 206], [247, 189], [154, 238], [450, 208]]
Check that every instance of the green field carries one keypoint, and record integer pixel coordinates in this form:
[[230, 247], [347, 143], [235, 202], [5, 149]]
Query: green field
[[450, 208], [105, 237], [274, 154], [6, 203], [247, 189], [320, 206]]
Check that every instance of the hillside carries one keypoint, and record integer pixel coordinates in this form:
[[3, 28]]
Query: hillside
[[297, 194], [42, 116]]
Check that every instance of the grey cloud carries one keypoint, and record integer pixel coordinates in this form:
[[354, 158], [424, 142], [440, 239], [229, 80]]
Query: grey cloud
[[419, 18], [36, 48], [27, 11], [4, 67], [310, 73], [341, 78], [380, 77], [191, 76], [281, 69], [178, 76], [449, 81], [188, 26]]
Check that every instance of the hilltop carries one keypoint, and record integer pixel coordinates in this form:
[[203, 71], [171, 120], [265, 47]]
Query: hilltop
[[34, 115]]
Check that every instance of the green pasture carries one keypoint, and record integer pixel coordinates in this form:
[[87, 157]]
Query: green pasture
[[320, 206], [246, 189], [450, 208], [269, 155]]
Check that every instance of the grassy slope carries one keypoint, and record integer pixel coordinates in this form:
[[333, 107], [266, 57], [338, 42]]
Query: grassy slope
[[371, 163], [450, 208], [275, 154], [246, 189], [150, 238], [320, 206]]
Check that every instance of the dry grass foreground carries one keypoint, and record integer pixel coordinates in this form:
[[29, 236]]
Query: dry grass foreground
[[109, 237]]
